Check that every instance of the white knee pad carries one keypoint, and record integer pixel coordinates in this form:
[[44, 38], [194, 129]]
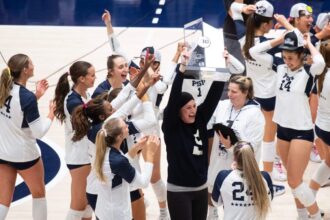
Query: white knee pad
[[74, 215], [88, 212], [160, 190], [304, 194], [268, 151], [322, 174], [39, 208], [3, 211]]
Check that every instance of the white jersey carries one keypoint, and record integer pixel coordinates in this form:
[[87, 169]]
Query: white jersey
[[248, 123], [20, 126], [292, 88], [116, 200], [76, 153], [232, 191], [323, 111], [263, 76]]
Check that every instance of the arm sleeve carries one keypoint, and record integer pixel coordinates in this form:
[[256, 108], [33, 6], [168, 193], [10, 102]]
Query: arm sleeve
[[234, 65], [254, 131], [115, 46], [160, 87], [216, 194], [125, 110], [169, 75], [39, 127], [141, 180], [149, 118], [173, 106], [269, 181], [318, 65], [123, 96], [211, 101]]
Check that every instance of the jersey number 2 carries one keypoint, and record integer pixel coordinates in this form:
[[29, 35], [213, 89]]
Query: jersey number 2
[[238, 189], [7, 103]]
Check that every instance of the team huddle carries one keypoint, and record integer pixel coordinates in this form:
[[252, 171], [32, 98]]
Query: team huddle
[[274, 109]]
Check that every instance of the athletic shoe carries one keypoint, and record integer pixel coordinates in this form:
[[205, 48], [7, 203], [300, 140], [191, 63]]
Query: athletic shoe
[[314, 156], [278, 190], [278, 173]]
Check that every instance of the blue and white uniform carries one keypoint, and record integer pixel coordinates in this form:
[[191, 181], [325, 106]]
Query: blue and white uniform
[[231, 191], [76, 153], [120, 175], [248, 123], [21, 124], [323, 112], [292, 88]]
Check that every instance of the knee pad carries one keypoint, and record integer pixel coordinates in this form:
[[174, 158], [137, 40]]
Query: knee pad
[[88, 212], [304, 194], [3, 211], [160, 190], [74, 215], [322, 174], [268, 151]]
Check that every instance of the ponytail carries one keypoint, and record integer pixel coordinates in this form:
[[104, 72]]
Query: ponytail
[[6, 84], [245, 159], [100, 154], [253, 22], [15, 64], [80, 122], [325, 52], [62, 89]]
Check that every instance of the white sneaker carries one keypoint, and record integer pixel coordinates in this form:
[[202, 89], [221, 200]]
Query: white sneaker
[[278, 190], [212, 214], [314, 156], [278, 173]]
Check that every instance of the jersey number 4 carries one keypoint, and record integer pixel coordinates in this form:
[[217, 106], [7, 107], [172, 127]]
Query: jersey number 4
[[7, 103], [286, 83], [238, 192]]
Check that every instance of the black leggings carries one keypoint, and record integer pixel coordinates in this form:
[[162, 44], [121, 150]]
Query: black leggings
[[187, 205]]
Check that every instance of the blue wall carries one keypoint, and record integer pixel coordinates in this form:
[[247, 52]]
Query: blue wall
[[137, 13]]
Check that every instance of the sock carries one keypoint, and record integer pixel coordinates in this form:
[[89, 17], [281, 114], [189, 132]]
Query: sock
[[163, 212], [3, 211], [302, 213], [39, 209], [316, 216], [212, 211], [74, 214]]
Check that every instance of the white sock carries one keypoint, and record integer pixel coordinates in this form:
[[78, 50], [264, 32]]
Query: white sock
[[3, 211], [39, 209], [74, 214], [316, 216], [302, 213], [212, 211], [163, 212]]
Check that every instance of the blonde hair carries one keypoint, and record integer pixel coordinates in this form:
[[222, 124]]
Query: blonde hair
[[15, 66], [107, 136], [245, 84], [245, 159]]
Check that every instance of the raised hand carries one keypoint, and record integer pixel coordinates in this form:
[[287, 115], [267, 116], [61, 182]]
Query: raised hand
[[106, 17], [41, 88]]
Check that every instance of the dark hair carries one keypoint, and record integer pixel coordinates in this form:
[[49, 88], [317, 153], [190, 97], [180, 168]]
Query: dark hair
[[16, 64], [245, 85], [113, 94], [111, 63], [325, 51], [77, 69], [253, 22], [84, 115]]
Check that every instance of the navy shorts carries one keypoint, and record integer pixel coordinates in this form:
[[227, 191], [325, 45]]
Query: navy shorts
[[75, 166], [20, 165], [135, 195], [323, 135], [288, 134], [92, 199], [268, 104]]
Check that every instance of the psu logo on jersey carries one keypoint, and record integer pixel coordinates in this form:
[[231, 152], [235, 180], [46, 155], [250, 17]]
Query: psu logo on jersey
[[54, 167]]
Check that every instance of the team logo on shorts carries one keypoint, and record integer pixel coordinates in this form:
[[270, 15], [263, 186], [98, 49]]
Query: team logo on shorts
[[54, 166]]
